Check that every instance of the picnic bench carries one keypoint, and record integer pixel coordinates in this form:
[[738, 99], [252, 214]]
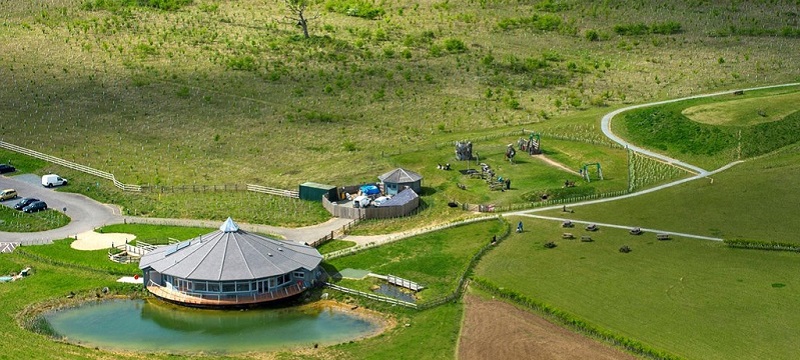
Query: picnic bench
[[636, 231], [592, 227], [567, 236], [586, 238], [662, 236], [567, 224]]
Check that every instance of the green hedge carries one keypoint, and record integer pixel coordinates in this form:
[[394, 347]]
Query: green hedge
[[572, 321], [762, 245]]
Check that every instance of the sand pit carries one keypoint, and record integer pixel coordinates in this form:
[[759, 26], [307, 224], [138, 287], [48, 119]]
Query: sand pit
[[496, 330], [91, 240]]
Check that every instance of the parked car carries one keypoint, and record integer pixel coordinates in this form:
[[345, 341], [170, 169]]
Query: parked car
[[5, 168], [51, 180], [35, 206], [380, 200], [8, 194], [24, 202]]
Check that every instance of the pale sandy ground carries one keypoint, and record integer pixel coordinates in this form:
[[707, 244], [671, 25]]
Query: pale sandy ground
[[91, 240]]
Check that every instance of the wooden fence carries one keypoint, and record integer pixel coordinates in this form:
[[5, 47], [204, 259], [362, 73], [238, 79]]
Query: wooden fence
[[335, 233], [463, 280], [70, 165], [371, 296], [371, 212], [570, 200], [273, 191], [140, 188]]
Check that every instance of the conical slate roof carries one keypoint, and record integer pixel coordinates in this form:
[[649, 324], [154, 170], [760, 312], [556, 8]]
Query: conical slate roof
[[400, 176], [230, 254]]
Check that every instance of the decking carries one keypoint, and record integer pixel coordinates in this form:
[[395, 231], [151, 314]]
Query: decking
[[222, 300]]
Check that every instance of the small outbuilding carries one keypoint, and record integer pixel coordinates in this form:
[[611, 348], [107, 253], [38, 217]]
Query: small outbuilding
[[314, 191], [230, 268], [396, 180]]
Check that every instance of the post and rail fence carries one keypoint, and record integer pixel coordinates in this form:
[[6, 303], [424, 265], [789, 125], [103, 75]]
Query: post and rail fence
[[141, 188]]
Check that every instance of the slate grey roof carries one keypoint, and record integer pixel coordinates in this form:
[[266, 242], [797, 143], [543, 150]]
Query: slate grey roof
[[401, 198], [230, 254], [400, 176]]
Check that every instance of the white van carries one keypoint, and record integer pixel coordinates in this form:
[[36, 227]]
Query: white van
[[51, 180], [361, 201]]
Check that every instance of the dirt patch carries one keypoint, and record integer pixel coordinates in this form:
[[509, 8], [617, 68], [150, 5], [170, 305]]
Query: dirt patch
[[494, 329], [556, 164], [91, 240]]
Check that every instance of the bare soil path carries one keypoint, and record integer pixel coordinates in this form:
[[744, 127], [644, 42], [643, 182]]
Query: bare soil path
[[493, 329]]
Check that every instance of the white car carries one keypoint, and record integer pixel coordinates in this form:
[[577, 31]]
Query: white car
[[379, 201]]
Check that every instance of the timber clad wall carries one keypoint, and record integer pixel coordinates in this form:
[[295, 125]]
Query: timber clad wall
[[349, 212]]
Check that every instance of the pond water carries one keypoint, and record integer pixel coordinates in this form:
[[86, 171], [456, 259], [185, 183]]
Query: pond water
[[152, 326]]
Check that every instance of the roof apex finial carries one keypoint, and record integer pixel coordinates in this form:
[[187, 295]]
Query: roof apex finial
[[229, 226]]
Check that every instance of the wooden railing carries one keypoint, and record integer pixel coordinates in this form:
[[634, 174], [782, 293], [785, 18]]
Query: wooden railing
[[371, 296], [273, 191], [205, 299]]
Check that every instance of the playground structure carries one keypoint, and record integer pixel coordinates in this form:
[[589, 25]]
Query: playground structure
[[532, 145], [510, 153], [488, 175], [464, 150], [584, 171]]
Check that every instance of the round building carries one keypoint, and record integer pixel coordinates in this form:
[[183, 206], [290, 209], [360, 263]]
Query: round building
[[230, 268]]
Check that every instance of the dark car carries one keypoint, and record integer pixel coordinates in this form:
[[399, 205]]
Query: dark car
[[35, 206], [5, 168], [24, 202]]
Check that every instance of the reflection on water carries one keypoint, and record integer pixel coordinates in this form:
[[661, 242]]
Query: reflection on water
[[141, 325], [396, 292]]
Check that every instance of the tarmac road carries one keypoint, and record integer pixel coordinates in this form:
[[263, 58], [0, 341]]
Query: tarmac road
[[85, 213]]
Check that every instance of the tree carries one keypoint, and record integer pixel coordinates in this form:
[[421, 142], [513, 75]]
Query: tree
[[298, 17]]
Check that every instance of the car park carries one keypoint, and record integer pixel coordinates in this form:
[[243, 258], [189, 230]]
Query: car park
[[6, 168], [51, 180], [24, 202], [35, 207], [8, 194]]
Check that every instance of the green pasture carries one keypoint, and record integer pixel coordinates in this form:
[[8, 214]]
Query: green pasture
[[156, 234], [335, 245], [435, 260], [746, 112], [222, 92], [753, 200], [17, 221], [692, 298], [746, 134]]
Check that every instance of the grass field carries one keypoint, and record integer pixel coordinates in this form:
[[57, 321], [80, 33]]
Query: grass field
[[435, 260], [745, 112], [754, 200], [156, 234], [17, 221], [692, 298]]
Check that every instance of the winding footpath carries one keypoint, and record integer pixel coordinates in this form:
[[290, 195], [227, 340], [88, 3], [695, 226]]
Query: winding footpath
[[87, 214]]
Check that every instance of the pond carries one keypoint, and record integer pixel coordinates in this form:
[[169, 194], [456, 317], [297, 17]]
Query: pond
[[153, 326]]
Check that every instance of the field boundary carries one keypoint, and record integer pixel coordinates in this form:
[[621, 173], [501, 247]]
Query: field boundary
[[141, 188]]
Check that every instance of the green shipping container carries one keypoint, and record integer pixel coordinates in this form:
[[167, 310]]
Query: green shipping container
[[314, 191]]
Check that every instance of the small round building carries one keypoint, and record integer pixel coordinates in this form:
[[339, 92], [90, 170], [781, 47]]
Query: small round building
[[230, 268]]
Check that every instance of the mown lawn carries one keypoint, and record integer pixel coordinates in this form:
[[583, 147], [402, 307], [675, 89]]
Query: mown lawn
[[156, 234], [693, 298]]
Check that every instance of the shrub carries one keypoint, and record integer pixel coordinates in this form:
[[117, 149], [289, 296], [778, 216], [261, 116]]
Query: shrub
[[624, 249], [357, 8], [454, 46], [666, 28], [631, 29], [550, 245], [592, 35], [243, 62]]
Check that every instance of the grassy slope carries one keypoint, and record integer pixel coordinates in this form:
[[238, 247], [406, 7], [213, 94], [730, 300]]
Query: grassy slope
[[753, 200], [435, 260], [693, 298]]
